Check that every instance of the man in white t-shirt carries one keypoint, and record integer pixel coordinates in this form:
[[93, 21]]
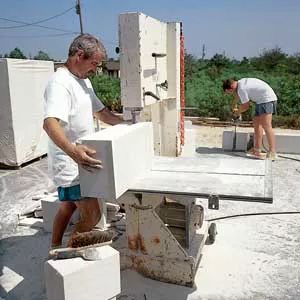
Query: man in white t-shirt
[[69, 105], [259, 92]]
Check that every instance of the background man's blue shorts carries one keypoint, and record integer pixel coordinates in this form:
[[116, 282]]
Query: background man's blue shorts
[[71, 193], [266, 108]]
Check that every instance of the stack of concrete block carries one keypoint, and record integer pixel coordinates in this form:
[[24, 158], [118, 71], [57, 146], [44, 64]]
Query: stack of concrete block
[[285, 142], [242, 140], [189, 147], [22, 86], [79, 279]]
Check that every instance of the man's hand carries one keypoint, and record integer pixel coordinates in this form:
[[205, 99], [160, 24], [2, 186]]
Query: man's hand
[[106, 116], [83, 155], [236, 113]]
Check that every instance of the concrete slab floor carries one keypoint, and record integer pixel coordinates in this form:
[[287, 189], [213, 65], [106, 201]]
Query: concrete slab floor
[[254, 257]]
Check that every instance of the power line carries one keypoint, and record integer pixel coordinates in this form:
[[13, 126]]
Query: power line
[[34, 23], [51, 28], [36, 36], [78, 12]]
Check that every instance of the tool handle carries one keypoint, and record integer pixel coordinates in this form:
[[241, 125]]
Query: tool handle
[[64, 253]]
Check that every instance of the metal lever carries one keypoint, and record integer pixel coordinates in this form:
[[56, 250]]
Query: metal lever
[[148, 93], [158, 55]]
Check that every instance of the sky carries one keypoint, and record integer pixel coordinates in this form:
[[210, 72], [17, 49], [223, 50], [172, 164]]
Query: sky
[[236, 28]]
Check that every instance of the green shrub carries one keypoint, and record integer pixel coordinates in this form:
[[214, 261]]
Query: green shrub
[[108, 90]]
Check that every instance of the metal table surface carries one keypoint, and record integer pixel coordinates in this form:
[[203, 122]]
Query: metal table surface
[[231, 178]]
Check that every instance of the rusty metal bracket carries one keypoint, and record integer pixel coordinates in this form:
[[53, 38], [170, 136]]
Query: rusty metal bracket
[[213, 201]]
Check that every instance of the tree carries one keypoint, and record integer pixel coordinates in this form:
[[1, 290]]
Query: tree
[[293, 63], [220, 60], [42, 56], [108, 90], [17, 53], [190, 64], [270, 59]]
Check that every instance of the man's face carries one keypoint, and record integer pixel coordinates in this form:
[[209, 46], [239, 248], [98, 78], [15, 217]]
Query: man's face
[[229, 91], [88, 66]]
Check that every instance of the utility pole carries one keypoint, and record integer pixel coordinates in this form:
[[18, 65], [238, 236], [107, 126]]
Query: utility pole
[[203, 51], [78, 12]]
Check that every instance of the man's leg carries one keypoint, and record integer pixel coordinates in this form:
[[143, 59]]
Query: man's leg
[[90, 215], [61, 221], [258, 134], [266, 122]]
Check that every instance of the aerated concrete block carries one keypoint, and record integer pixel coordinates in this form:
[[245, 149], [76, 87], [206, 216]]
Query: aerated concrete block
[[79, 279], [126, 152], [189, 148], [285, 143], [227, 141], [242, 139]]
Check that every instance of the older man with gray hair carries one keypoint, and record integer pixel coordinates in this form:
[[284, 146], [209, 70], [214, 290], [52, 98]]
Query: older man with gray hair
[[69, 104]]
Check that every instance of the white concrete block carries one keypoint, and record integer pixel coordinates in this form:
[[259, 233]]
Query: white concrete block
[[242, 139], [22, 137], [126, 152], [188, 124], [103, 208], [79, 279], [140, 36], [285, 143], [189, 148], [227, 140]]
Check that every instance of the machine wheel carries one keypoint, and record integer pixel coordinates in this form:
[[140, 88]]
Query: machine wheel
[[212, 232]]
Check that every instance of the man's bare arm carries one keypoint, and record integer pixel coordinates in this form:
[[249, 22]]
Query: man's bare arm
[[106, 116], [242, 108], [79, 153], [235, 102]]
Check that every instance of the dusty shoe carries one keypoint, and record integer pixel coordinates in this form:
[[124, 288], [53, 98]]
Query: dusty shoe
[[272, 156], [254, 153], [89, 238]]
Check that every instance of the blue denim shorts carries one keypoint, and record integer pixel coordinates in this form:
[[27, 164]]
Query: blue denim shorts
[[265, 108], [71, 193]]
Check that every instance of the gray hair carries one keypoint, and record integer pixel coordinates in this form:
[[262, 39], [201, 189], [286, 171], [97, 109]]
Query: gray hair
[[89, 44]]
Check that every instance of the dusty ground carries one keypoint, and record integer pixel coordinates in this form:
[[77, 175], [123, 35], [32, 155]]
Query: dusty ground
[[255, 257]]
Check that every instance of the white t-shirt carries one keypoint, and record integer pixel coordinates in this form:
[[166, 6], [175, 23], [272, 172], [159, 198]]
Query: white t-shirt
[[73, 101], [255, 90]]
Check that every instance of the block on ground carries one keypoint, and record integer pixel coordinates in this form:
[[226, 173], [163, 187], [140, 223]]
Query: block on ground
[[79, 279], [242, 139]]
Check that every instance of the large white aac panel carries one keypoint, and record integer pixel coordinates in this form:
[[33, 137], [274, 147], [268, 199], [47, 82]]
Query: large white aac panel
[[140, 36], [22, 84], [126, 152]]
